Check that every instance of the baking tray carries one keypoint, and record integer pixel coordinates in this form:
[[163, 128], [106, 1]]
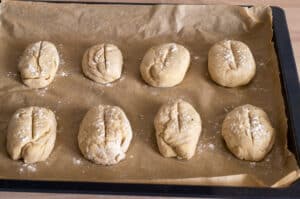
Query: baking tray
[[290, 91]]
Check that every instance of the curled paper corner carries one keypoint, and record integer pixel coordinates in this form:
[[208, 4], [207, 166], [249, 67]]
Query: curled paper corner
[[255, 15], [238, 180], [287, 180]]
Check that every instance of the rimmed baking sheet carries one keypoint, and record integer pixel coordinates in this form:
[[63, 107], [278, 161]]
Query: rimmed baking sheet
[[135, 28]]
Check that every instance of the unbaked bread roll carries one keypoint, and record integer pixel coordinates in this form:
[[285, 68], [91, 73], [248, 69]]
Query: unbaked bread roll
[[104, 135], [102, 63], [231, 63], [178, 128], [38, 64], [165, 65], [31, 134], [248, 133]]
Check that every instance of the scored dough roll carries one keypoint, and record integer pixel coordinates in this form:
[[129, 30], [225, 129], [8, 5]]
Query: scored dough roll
[[231, 63], [248, 133], [178, 128], [31, 134], [104, 135], [38, 64], [165, 65], [103, 63]]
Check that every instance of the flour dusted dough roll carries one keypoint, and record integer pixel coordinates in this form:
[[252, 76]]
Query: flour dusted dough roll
[[31, 134], [104, 135], [248, 133], [231, 63], [38, 64], [165, 65], [103, 63], [178, 128]]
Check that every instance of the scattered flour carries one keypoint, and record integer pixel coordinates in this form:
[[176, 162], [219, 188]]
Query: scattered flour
[[42, 91], [211, 146], [27, 168], [141, 116], [77, 161], [252, 164], [12, 75], [228, 108], [205, 147], [109, 85], [260, 64], [215, 125], [63, 74], [21, 170], [258, 89], [196, 57], [155, 93]]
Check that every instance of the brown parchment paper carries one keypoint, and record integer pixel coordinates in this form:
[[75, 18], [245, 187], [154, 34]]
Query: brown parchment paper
[[135, 28]]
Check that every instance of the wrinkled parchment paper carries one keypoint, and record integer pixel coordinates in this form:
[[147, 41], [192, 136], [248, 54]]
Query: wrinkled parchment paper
[[135, 28]]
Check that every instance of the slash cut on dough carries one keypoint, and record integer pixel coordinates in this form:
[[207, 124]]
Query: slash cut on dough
[[178, 128]]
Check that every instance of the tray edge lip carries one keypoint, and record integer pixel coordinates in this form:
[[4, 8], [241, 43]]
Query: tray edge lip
[[288, 76]]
